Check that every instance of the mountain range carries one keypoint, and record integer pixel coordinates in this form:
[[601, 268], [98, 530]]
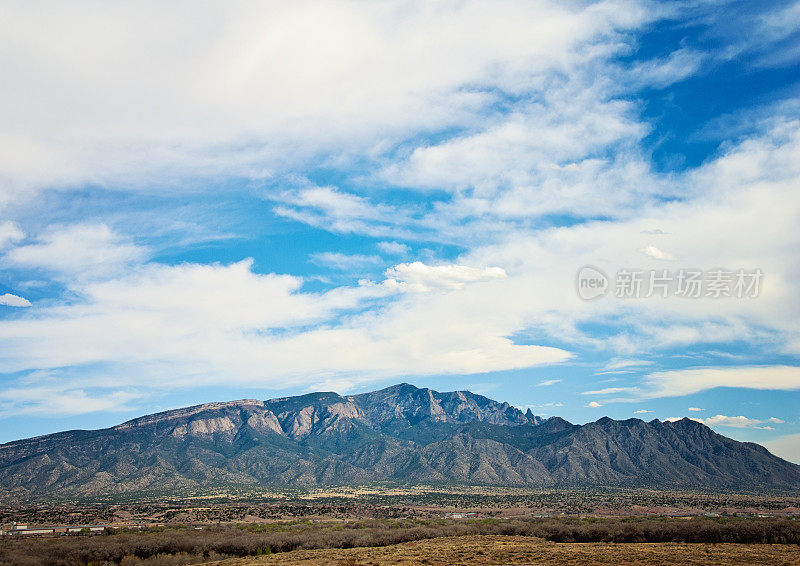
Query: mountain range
[[398, 434]]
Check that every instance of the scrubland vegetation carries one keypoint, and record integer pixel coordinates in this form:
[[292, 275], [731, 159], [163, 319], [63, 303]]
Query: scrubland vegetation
[[180, 544]]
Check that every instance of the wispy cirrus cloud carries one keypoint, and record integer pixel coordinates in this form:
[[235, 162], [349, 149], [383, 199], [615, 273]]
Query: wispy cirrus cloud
[[527, 152], [345, 261], [80, 250], [393, 248], [786, 446], [693, 380], [53, 401], [10, 232], [207, 108], [609, 391]]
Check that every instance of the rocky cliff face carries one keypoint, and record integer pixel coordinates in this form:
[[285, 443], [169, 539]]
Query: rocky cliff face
[[409, 403], [401, 433]]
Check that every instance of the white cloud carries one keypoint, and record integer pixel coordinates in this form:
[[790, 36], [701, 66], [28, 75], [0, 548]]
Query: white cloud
[[420, 277], [760, 174], [593, 404], [660, 73], [548, 382], [657, 253], [337, 211], [247, 90], [736, 422], [687, 381], [732, 421], [776, 420], [696, 409], [204, 323], [234, 94], [786, 446], [641, 412], [530, 164], [608, 391], [618, 363], [82, 250], [481, 388], [54, 401], [345, 261], [170, 312], [393, 248], [9, 233], [769, 33], [14, 301]]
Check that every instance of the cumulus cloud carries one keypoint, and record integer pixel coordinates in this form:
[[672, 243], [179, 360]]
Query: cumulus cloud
[[657, 253], [420, 277], [171, 312], [10, 300], [736, 422], [593, 404], [732, 421], [202, 323]]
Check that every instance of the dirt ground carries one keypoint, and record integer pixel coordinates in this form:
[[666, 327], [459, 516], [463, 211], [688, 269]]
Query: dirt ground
[[497, 550]]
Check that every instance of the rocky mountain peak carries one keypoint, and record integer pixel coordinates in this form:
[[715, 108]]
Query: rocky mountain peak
[[401, 433], [414, 404]]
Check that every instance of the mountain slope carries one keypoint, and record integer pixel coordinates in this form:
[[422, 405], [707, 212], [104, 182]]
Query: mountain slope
[[401, 433]]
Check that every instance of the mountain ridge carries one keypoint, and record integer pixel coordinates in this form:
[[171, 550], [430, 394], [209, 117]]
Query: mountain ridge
[[400, 433]]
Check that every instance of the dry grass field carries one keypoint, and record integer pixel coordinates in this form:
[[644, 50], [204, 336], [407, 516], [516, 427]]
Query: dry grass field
[[497, 550]]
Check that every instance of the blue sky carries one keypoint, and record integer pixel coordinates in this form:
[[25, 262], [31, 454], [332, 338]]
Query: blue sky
[[263, 200]]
